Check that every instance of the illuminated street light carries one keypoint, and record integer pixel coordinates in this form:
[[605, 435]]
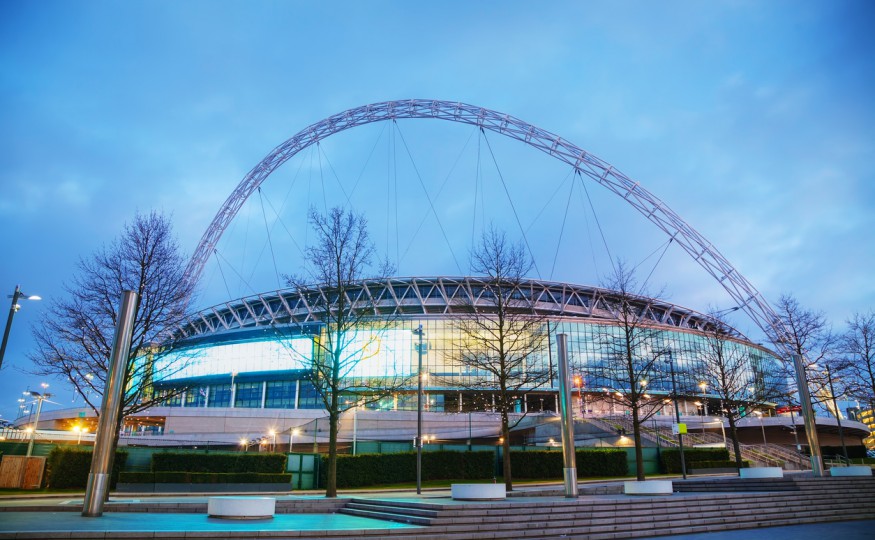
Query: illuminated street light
[[12, 311], [39, 407], [704, 386], [292, 433]]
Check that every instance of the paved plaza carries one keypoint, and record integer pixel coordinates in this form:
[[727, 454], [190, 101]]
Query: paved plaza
[[179, 517]]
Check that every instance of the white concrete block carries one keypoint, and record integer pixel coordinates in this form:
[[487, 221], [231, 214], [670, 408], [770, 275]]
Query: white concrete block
[[851, 470], [241, 507], [478, 492], [762, 472], [647, 487]]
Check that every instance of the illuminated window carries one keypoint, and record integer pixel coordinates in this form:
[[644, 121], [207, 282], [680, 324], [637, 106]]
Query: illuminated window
[[196, 396], [248, 395], [280, 395], [220, 395]]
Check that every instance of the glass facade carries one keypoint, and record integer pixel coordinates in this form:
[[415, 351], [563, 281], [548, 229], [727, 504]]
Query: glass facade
[[272, 372]]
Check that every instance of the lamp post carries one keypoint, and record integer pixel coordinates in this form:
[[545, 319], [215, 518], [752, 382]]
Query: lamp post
[[292, 433], [704, 386], [762, 427], [12, 310], [39, 407], [838, 414], [677, 413], [273, 442], [419, 332]]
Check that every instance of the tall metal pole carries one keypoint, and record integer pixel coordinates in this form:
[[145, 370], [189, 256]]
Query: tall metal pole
[[795, 434], [355, 426], [39, 407], [418, 332], [835, 406], [677, 414], [566, 414], [104, 440], [808, 416], [12, 311]]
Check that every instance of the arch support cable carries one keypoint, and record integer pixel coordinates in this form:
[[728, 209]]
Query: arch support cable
[[736, 285]]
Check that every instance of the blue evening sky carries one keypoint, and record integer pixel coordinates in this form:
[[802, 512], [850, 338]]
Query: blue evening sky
[[755, 121]]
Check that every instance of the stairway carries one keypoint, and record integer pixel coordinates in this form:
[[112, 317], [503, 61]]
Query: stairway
[[725, 504]]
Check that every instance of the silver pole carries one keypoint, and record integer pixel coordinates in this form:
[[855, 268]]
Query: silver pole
[[418, 332], [808, 416], [355, 426], [104, 439], [566, 414], [677, 414], [39, 407], [835, 406]]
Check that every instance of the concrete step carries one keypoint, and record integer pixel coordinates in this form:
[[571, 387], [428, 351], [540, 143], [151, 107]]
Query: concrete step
[[387, 516]]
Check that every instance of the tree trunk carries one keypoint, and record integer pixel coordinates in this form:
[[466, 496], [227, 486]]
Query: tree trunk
[[735, 446], [639, 453], [331, 474], [505, 449]]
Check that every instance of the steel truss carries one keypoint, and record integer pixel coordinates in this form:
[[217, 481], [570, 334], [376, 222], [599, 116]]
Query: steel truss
[[703, 252], [437, 296]]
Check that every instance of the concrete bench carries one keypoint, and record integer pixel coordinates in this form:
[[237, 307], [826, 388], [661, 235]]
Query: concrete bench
[[241, 507], [762, 472], [478, 492], [851, 470], [648, 487]]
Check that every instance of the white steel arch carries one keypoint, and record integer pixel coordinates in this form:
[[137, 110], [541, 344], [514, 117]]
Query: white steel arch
[[700, 249]]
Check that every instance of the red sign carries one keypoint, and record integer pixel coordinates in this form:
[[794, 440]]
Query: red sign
[[782, 410]]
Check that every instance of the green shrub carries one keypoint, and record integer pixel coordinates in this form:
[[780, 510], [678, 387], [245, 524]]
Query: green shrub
[[549, 464], [227, 462], [131, 477], [671, 462], [184, 477], [69, 468], [602, 462], [374, 469]]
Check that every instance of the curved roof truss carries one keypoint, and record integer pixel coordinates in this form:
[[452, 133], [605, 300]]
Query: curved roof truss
[[703, 252], [432, 296]]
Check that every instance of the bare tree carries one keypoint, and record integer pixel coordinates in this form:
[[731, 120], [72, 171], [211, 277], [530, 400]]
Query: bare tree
[[634, 355], [340, 259], [74, 338], [501, 338], [739, 380], [858, 350], [809, 336]]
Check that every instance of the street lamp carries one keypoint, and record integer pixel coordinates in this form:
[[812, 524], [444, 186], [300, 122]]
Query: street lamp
[[292, 433], [420, 333], [244, 444], [677, 413], [273, 443], [838, 414], [12, 310], [704, 386], [39, 407], [762, 427]]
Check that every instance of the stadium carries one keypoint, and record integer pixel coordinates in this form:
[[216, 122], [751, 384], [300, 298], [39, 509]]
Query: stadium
[[238, 372]]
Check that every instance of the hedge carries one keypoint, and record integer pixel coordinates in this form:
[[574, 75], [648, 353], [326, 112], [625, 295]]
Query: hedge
[[69, 468], [227, 462], [670, 460], [183, 477], [374, 469], [548, 464]]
